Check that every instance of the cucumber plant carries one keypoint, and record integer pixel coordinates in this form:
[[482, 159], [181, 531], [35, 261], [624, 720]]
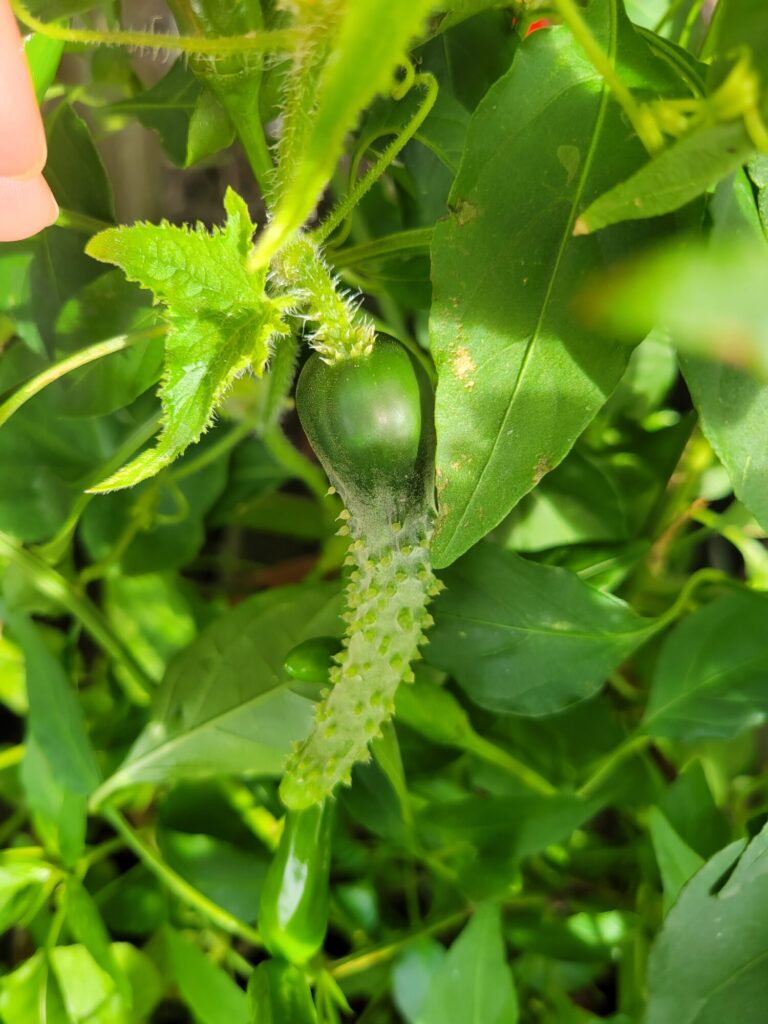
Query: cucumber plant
[[382, 561]]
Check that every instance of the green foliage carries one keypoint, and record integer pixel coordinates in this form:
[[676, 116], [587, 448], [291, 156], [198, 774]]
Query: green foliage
[[258, 763], [221, 323]]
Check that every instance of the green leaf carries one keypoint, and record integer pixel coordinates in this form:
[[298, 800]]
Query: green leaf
[[474, 984], [226, 873], [24, 887], [106, 308], [711, 675], [29, 994], [518, 379], [371, 42], [677, 861], [74, 169], [712, 300], [514, 826], [187, 118], [35, 502], [525, 638], [225, 705], [708, 963], [86, 925], [690, 808], [211, 995], [732, 405], [221, 322], [412, 976], [58, 814], [678, 175], [164, 518], [55, 718]]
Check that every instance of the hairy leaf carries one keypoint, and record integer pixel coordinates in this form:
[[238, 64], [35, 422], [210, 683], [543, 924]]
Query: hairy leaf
[[220, 321]]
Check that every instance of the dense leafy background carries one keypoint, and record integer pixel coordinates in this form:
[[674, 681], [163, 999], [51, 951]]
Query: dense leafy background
[[568, 821]]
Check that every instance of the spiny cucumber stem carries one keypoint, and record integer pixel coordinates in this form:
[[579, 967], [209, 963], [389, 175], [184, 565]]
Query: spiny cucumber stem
[[341, 331], [390, 585]]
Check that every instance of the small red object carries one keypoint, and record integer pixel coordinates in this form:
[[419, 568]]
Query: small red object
[[536, 25]]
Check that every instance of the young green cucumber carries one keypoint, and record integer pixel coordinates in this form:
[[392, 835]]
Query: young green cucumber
[[294, 899], [370, 421]]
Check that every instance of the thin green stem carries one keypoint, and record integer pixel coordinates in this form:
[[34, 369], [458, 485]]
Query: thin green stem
[[634, 743], [216, 450], [179, 886], [64, 366], [401, 243], [47, 581], [641, 119], [298, 465], [356, 963], [490, 753], [80, 222], [427, 81], [272, 41]]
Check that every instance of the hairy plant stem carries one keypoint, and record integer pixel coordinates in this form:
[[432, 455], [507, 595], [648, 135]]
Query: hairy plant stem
[[271, 41]]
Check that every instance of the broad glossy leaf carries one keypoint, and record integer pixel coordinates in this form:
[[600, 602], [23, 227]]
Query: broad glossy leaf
[[225, 705], [221, 321], [371, 42], [733, 405], [708, 964], [474, 984], [525, 638], [518, 378], [712, 674], [211, 995]]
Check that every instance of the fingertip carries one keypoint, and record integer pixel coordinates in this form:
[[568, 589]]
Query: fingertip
[[22, 137], [27, 206]]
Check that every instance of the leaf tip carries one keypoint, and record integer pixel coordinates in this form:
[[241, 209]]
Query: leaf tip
[[580, 227]]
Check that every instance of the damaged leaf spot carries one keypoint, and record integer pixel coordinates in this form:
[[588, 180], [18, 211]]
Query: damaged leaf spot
[[463, 367], [464, 212]]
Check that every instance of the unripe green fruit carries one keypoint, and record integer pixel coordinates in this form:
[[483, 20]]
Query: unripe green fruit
[[370, 422]]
